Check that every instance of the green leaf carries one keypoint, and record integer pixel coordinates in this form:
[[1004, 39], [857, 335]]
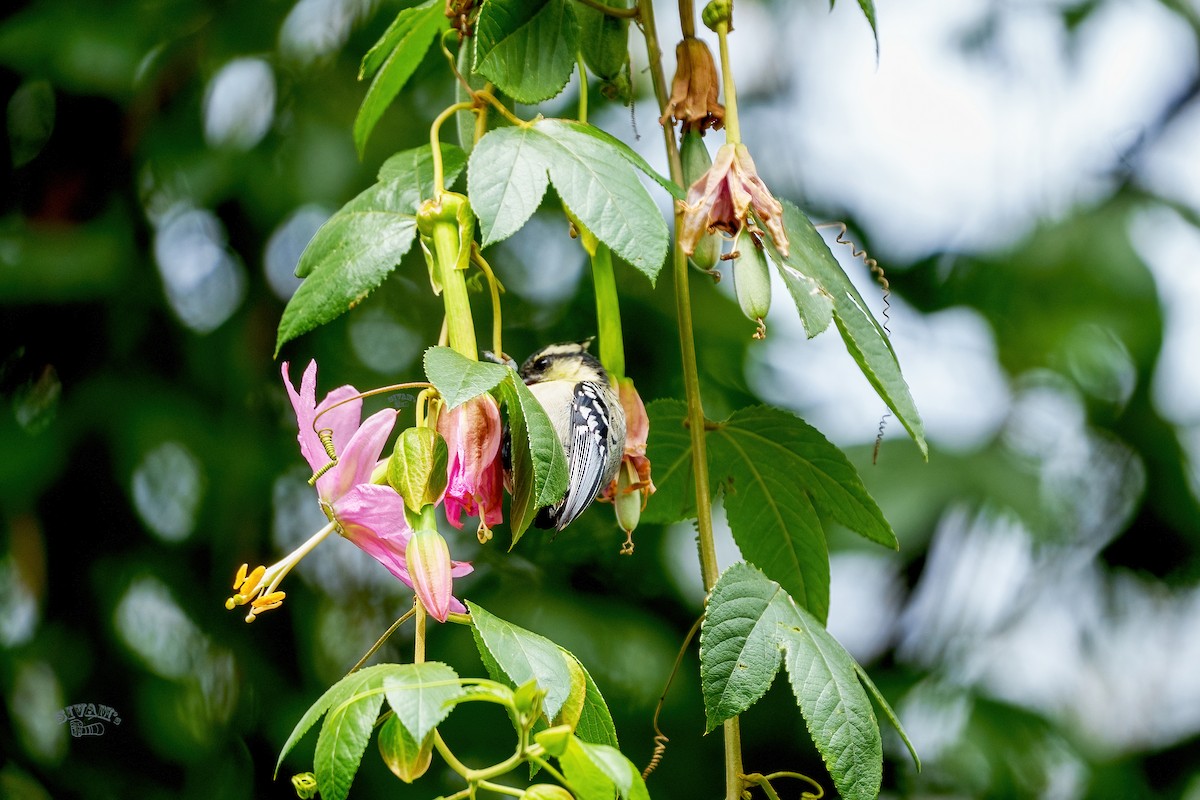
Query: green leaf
[[747, 617], [460, 379], [318, 709], [526, 47], [506, 181], [395, 56], [604, 39], [864, 337], [522, 655], [422, 695], [887, 712], [400, 752], [592, 174], [595, 723], [868, 9], [670, 452], [346, 731], [812, 302], [600, 768], [776, 471], [739, 643], [835, 708], [539, 462], [359, 246]]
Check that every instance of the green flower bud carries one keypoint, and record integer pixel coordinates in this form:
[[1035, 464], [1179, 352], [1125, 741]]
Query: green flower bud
[[555, 739], [305, 785], [546, 791], [417, 468], [696, 161], [400, 751]]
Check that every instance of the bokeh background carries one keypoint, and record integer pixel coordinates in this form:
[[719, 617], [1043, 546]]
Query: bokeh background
[[1026, 172]]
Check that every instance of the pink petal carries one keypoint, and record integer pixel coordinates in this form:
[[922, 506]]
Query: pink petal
[[357, 458], [372, 517], [343, 420]]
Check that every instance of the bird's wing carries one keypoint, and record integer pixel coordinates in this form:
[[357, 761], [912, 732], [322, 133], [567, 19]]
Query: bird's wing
[[585, 461]]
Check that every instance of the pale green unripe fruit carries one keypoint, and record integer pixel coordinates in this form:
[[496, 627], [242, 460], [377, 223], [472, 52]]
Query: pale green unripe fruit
[[752, 283], [693, 154]]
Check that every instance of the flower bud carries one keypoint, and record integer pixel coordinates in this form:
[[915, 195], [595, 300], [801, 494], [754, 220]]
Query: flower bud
[[305, 785], [417, 468], [546, 791], [428, 559], [400, 751]]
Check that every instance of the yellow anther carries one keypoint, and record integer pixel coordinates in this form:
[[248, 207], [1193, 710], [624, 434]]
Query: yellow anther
[[230, 604], [241, 576], [251, 583], [273, 599]]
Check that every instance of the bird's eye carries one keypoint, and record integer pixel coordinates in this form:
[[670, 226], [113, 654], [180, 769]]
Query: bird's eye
[[542, 363]]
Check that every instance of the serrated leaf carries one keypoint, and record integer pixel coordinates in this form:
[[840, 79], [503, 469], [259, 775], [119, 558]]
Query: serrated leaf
[[776, 471], [422, 695], [670, 452], [346, 731], [506, 181], [359, 246], [593, 174], [318, 709], [572, 708], [739, 644], [888, 712], [864, 337], [458, 378], [835, 708], [521, 656], [526, 47], [395, 56], [748, 615]]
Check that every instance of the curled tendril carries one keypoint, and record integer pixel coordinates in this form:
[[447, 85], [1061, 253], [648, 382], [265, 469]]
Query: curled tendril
[[764, 782], [326, 437], [660, 738], [881, 279]]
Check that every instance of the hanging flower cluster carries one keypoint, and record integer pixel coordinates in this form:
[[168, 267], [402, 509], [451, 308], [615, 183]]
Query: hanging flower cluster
[[344, 452]]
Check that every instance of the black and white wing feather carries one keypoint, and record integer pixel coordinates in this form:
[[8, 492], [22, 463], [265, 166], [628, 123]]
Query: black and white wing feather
[[587, 456]]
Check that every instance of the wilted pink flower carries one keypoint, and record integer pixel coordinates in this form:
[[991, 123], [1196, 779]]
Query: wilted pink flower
[[693, 98], [369, 514], [475, 483], [722, 198], [633, 478]]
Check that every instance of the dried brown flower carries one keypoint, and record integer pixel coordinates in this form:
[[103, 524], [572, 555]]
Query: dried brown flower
[[694, 90]]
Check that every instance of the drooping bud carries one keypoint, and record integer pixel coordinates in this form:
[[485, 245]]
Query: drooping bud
[[694, 89], [428, 559], [417, 468], [547, 791]]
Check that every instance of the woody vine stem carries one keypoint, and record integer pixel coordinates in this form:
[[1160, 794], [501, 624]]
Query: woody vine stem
[[691, 378]]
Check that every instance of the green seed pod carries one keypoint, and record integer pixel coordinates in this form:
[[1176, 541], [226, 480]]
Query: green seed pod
[[603, 39], [752, 283], [693, 153]]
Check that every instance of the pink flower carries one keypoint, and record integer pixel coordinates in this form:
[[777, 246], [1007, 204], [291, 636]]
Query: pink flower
[[432, 570], [475, 484], [370, 515]]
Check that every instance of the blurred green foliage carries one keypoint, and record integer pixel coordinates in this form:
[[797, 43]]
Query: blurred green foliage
[[146, 446]]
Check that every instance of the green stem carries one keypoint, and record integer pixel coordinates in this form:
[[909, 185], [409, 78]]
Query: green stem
[[459, 324], [500, 788], [379, 642], [709, 569], [608, 312], [419, 637], [733, 133], [447, 755], [687, 18], [583, 89], [434, 142], [626, 13], [494, 289]]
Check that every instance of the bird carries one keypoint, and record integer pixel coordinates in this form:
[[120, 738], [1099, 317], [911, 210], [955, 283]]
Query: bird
[[585, 411]]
